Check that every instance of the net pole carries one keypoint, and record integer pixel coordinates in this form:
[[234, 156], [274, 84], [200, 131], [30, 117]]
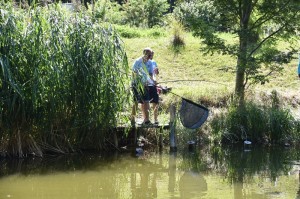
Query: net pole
[[173, 145]]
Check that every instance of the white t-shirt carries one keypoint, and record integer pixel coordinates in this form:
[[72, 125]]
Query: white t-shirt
[[142, 70]]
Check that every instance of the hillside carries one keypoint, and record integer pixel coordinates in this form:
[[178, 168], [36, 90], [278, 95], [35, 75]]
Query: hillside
[[215, 72]]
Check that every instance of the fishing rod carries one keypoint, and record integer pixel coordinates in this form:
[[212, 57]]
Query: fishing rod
[[166, 90], [192, 80]]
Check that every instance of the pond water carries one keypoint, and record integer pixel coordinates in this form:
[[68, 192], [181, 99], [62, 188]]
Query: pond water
[[237, 173]]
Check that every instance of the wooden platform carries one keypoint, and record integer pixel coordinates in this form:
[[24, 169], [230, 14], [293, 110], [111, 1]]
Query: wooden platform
[[140, 126], [163, 126], [126, 134]]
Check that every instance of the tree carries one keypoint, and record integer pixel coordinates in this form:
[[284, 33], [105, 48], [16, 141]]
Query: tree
[[258, 26], [145, 13]]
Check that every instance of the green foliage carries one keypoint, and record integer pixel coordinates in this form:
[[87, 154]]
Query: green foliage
[[127, 32], [134, 32], [260, 124], [156, 32], [145, 13], [155, 10], [255, 51], [107, 11], [177, 41], [281, 125], [238, 166], [214, 86], [60, 73]]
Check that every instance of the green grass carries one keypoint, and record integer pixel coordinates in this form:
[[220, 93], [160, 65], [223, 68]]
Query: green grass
[[215, 71], [215, 86]]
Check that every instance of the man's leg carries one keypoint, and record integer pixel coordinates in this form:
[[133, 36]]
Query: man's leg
[[145, 111], [154, 101], [155, 112]]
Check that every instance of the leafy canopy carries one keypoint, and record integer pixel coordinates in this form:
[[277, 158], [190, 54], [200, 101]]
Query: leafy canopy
[[255, 26]]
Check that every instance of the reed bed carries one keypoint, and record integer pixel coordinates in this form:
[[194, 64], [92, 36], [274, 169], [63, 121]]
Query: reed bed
[[63, 80]]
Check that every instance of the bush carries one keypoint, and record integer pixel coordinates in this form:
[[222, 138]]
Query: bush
[[257, 123], [141, 13], [281, 124], [156, 32], [107, 11], [128, 32], [133, 32], [177, 40]]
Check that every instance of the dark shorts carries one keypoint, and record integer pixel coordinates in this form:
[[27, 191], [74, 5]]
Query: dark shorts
[[153, 94], [140, 95]]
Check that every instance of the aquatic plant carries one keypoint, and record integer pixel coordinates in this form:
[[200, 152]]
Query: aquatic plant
[[63, 79], [258, 123]]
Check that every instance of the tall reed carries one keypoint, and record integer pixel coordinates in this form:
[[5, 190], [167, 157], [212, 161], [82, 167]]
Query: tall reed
[[63, 80]]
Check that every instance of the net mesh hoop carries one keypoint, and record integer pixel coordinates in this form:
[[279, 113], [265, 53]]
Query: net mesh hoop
[[192, 115]]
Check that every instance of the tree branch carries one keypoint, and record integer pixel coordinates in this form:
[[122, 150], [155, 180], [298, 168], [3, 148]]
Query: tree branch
[[265, 39], [263, 19]]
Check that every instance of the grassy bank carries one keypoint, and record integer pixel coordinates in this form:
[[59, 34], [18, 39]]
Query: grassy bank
[[215, 71], [215, 85], [64, 80]]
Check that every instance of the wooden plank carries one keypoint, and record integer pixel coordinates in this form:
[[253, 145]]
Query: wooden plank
[[139, 126]]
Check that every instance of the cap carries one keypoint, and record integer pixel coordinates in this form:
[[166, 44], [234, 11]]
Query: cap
[[147, 51]]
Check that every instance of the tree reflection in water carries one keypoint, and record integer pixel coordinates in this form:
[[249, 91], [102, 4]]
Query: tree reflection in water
[[179, 175], [192, 184], [298, 192], [239, 165]]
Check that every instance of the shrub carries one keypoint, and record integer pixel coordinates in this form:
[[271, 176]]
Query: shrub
[[134, 32], [156, 32], [107, 11], [281, 124], [177, 41], [128, 32], [141, 13], [256, 123]]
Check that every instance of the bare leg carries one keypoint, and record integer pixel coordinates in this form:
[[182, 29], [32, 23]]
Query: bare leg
[[145, 110], [155, 111]]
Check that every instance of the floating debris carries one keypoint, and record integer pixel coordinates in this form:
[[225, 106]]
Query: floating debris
[[139, 151], [247, 142]]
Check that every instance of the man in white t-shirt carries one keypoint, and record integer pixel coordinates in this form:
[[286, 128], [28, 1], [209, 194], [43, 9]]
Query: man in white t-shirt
[[154, 98], [140, 82]]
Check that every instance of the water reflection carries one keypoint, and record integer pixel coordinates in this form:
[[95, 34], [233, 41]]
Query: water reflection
[[192, 184], [201, 173], [298, 192]]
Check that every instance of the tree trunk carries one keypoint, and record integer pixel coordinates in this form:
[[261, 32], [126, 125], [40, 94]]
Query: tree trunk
[[239, 81], [240, 70], [246, 9]]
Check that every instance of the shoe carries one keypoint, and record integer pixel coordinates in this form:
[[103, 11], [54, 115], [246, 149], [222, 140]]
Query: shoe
[[146, 123], [132, 122]]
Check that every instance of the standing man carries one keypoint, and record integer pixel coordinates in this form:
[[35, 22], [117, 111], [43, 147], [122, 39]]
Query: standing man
[[154, 98], [140, 82]]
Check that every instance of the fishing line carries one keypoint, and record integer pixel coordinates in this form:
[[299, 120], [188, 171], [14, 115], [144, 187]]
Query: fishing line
[[192, 80]]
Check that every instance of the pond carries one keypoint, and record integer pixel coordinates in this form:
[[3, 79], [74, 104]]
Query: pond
[[201, 172]]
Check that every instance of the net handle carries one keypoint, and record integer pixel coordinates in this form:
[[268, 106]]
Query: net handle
[[190, 101], [194, 103]]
